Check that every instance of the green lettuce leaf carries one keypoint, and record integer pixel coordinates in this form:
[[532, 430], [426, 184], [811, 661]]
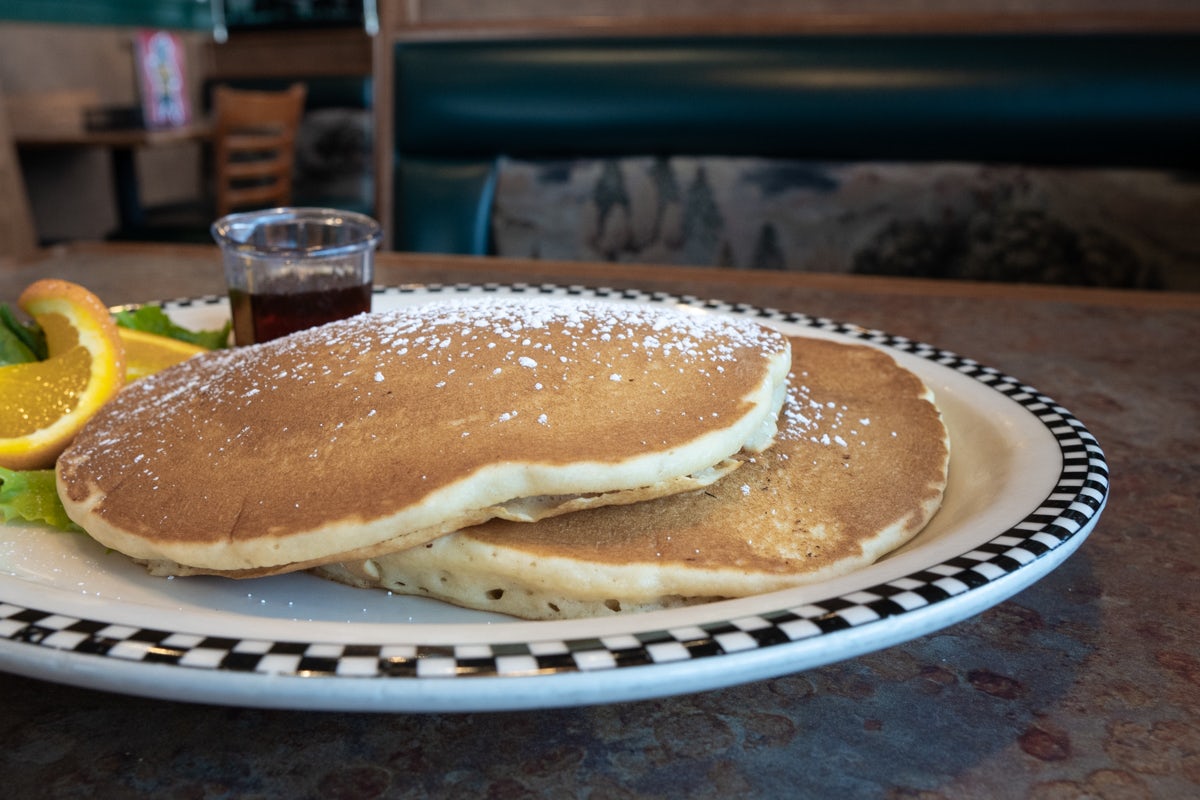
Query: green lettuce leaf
[[30, 495], [19, 343], [152, 319], [13, 350]]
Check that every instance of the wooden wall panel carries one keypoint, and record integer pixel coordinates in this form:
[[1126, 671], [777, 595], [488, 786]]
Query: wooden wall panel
[[17, 237], [463, 17], [333, 52]]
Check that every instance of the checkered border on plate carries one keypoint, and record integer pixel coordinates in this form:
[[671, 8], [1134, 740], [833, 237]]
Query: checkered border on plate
[[1077, 497]]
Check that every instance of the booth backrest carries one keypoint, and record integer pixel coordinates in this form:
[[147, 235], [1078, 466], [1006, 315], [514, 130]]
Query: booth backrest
[[1041, 99]]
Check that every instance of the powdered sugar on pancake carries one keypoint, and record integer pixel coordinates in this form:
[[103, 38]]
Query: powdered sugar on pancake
[[417, 415], [859, 467]]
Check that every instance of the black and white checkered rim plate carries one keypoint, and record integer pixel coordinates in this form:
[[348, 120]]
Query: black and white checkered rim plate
[[1056, 525]]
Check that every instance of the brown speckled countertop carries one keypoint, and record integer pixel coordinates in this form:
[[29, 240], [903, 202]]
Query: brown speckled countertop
[[1086, 684]]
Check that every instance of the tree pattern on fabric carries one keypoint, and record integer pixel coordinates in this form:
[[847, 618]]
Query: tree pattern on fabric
[[1095, 227]]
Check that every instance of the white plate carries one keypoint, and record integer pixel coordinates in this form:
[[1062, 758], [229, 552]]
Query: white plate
[[1027, 484]]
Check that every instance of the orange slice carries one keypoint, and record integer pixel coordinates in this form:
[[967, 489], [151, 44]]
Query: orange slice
[[147, 353], [44, 404]]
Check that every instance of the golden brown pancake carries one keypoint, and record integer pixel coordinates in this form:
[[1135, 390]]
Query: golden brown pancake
[[388, 430], [859, 467]]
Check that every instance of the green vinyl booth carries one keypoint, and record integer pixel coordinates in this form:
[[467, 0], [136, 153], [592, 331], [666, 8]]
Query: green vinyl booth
[[1038, 99]]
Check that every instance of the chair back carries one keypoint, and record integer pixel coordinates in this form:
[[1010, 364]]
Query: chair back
[[254, 146]]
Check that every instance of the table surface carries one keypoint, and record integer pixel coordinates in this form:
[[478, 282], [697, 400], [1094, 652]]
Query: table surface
[[1086, 684], [120, 138]]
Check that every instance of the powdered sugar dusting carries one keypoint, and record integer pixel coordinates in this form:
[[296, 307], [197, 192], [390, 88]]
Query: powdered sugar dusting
[[821, 422], [361, 371], [536, 333]]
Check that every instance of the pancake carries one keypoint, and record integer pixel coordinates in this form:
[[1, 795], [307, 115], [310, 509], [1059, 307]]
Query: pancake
[[859, 467], [390, 429]]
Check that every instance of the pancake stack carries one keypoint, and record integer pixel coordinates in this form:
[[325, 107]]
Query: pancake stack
[[387, 431], [860, 466]]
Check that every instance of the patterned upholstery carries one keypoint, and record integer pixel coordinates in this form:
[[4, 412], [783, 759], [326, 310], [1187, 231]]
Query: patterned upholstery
[[1090, 227]]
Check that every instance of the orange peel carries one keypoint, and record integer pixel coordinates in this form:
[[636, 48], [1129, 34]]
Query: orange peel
[[43, 404]]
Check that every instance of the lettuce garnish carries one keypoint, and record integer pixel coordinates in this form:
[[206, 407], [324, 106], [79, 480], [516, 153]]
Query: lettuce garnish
[[152, 319], [19, 343], [30, 495]]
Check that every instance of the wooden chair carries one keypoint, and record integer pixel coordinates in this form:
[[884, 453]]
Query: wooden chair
[[254, 146]]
